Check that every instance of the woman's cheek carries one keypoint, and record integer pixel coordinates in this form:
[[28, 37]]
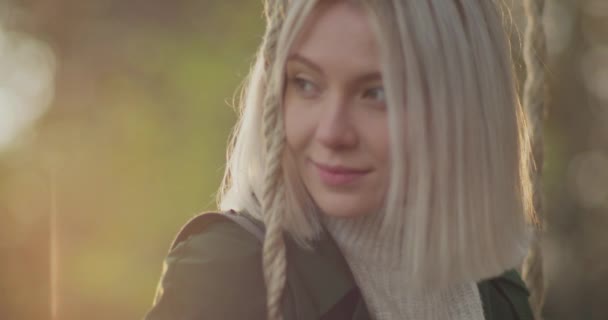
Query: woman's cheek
[[300, 122]]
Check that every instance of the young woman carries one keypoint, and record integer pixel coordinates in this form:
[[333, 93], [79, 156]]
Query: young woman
[[384, 154]]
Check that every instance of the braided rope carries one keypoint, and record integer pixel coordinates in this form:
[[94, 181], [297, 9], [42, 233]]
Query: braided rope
[[274, 260], [274, 253], [535, 52]]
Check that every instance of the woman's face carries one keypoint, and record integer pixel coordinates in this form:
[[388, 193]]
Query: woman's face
[[335, 112]]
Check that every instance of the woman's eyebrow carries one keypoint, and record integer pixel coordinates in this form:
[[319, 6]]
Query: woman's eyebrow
[[362, 78], [369, 77], [305, 61]]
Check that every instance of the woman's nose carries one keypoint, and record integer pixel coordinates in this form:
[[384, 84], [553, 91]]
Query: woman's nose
[[336, 129]]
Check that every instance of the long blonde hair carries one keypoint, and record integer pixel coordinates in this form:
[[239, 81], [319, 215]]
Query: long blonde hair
[[459, 142]]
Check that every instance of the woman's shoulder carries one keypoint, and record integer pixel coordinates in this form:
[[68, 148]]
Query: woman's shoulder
[[505, 297], [212, 273], [216, 236]]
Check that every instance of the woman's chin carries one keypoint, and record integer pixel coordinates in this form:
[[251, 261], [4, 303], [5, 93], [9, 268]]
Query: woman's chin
[[343, 211]]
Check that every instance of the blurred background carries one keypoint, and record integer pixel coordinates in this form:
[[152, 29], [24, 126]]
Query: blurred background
[[114, 117]]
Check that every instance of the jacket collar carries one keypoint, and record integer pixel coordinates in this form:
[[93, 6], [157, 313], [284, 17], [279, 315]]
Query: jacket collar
[[326, 277]]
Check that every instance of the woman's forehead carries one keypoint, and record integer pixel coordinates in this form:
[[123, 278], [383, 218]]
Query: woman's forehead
[[337, 34]]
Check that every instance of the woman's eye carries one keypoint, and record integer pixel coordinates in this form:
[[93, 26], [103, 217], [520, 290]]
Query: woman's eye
[[376, 94], [305, 86]]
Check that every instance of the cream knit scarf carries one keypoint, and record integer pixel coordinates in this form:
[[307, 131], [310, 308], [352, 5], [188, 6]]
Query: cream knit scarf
[[384, 289]]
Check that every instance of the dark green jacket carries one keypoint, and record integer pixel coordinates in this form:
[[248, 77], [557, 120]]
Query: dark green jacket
[[217, 274]]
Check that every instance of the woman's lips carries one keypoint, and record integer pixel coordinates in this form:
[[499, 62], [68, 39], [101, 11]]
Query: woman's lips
[[338, 175]]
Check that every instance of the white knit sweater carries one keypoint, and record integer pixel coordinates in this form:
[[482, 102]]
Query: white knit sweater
[[385, 290]]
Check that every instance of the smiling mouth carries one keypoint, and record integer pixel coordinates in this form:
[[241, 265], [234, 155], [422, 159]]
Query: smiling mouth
[[337, 175]]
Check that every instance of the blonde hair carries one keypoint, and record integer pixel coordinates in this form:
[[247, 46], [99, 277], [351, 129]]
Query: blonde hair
[[459, 198]]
